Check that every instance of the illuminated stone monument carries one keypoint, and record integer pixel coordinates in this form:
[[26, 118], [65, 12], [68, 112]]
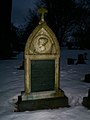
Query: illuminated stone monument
[[42, 69]]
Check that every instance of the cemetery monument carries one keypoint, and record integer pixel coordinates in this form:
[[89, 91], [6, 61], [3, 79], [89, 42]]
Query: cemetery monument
[[42, 70]]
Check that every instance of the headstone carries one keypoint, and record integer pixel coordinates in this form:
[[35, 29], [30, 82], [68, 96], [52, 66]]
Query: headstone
[[41, 63], [70, 61], [87, 78], [86, 100], [81, 59]]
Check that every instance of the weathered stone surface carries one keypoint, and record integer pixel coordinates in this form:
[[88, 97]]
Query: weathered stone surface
[[47, 103], [41, 71]]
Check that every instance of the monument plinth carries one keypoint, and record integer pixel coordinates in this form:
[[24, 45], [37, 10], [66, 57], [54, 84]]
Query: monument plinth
[[42, 71]]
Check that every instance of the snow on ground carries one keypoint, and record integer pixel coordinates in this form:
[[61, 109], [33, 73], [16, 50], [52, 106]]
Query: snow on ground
[[12, 83]]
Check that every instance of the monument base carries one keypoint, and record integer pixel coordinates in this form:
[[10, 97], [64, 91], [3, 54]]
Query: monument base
[[44, 100]]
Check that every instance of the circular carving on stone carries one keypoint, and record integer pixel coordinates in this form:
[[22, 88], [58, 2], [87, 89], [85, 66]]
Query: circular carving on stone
[[42, 44]]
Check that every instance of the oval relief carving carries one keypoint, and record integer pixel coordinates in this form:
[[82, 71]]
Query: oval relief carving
[[41, 44]]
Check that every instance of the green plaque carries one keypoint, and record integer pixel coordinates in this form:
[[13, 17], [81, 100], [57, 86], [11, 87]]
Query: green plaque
[[42, 75]]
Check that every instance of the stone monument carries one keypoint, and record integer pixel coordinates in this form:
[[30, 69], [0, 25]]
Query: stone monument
[[81, 59], [42, 70], [86, 100], [87, 78]]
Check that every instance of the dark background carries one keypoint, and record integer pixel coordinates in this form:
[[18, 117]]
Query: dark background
[[68, 19]]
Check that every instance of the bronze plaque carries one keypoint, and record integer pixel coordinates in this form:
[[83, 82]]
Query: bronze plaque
[[42, 75]]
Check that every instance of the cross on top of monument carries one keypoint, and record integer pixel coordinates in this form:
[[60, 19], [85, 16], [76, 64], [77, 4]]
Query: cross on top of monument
[[42, 11]]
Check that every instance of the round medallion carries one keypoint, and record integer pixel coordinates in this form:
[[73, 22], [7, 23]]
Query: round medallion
[[42, 44]]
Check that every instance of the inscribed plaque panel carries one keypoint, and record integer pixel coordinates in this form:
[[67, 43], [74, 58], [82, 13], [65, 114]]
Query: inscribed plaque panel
[[42, 75]]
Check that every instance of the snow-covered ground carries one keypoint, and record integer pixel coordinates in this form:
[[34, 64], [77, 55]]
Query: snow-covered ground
[[12, 83]]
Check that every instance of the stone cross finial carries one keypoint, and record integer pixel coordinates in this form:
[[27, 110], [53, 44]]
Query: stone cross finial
[[42, 11]]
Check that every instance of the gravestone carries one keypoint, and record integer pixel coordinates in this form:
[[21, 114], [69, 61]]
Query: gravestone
[[87, 78], [71, 61], [41, 70], [86, 100], [81, 59]]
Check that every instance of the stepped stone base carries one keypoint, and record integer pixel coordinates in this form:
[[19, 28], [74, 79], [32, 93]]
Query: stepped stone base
[[52, 102]]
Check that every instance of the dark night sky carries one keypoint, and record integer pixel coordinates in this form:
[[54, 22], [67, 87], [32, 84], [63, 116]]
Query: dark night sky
[[20, 10]]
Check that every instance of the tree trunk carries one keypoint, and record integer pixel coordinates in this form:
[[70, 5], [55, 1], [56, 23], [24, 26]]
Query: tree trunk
[[5, 28]]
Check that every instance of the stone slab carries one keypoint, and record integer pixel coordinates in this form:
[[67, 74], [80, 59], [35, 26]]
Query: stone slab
[[38, 104], [42, 75]]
